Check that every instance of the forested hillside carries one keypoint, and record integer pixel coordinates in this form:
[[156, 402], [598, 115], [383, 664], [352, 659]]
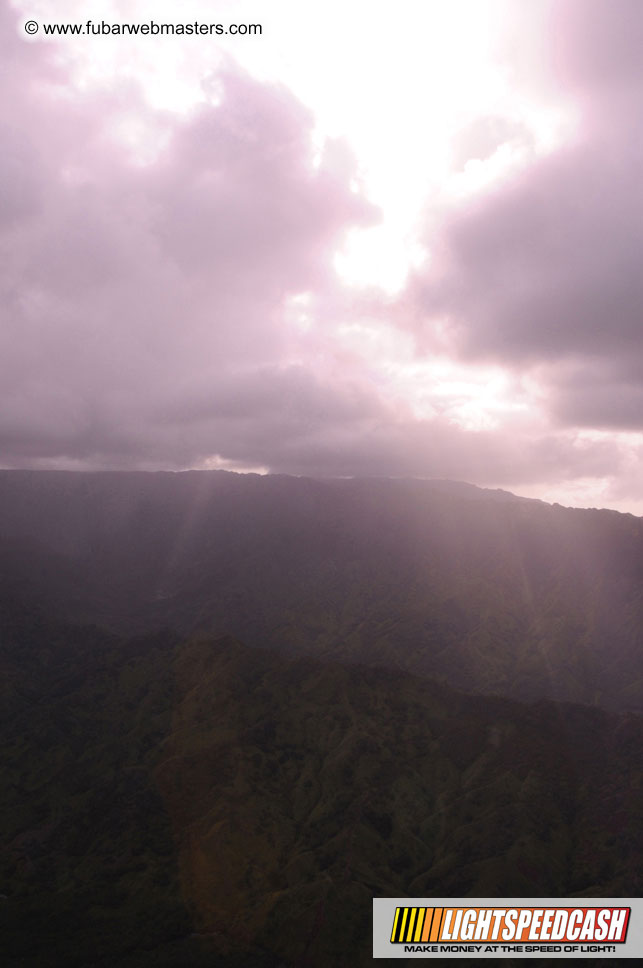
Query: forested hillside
[[491, 593], [174, 802]]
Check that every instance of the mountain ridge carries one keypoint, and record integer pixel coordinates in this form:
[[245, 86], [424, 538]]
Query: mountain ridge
[[499, 595]]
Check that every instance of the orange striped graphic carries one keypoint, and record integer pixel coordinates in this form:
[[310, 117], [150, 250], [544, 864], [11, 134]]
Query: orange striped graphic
[[428, 921]]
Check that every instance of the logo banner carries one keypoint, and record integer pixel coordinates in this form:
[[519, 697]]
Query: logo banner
[[508, 927]]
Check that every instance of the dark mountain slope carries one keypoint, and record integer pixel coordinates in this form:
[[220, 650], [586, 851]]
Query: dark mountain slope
[[489, 592], [88, 867], [171, 803]]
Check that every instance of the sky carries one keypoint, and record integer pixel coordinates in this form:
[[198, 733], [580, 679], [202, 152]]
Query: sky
[[376, 239]]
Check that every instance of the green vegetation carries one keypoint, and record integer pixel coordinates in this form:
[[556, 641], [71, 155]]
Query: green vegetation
[[197, 802]]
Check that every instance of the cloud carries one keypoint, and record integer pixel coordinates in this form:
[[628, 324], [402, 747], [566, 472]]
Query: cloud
[[545, 265], [128, 285], [543, 268], [169, 297], [596, 46], [483, 136], [598, 396]]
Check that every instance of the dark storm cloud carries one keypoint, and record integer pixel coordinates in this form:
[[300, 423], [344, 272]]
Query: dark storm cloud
[[546, 266], [437, 448], [598, 396]]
